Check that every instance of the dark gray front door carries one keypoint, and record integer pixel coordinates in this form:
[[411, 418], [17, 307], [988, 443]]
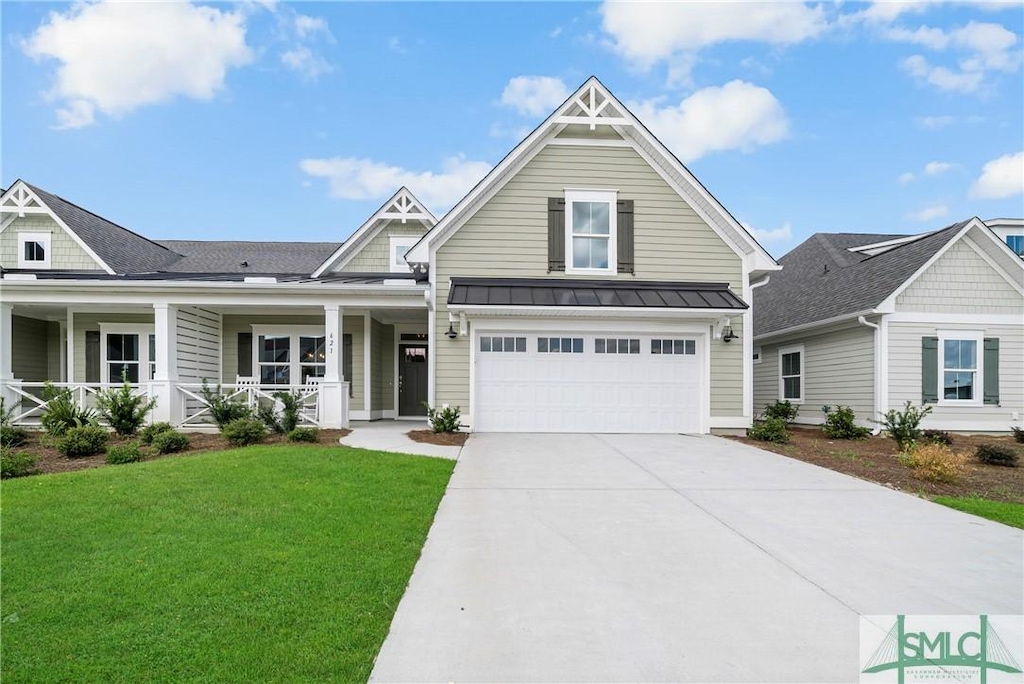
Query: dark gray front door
[[412, 379]]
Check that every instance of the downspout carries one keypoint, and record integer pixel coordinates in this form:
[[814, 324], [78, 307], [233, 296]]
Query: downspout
[[878, 368], [748, 347]]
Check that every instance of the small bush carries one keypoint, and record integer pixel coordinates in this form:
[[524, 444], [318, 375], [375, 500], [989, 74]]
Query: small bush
[[222, 409], [997, 454], [62, 413], [937, 437], [16, 464], [11, 436], [304, 434], [939, 463], [268, 416], [905, 426], [86, 440], [244, 431], [124, 453], [290, 407], [447, 419], [769, 430], [149, 433], [907, 459], [840, 424], [783, 410], [170, 442], [1018, 434], [124, 409]]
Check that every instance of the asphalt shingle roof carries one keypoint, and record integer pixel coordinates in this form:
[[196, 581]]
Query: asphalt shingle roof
[[821, 279], [208, 256]]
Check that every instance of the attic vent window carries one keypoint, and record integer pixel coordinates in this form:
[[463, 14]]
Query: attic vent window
[[34, 250]]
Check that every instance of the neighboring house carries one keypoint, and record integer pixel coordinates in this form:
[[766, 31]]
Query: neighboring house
[[874, 321], [1010, 231], [588, 283]]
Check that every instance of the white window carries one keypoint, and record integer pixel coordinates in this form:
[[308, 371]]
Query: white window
[[590, 231], [33, 250], [603, 345], [960, 366], [791, 374], [560, 345], [687, 347], [400, 246], [1016, 243], [502, 344], [288, 357], [128, 352]]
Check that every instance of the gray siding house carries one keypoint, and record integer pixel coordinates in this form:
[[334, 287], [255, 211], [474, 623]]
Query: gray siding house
[[874, 321], [589, 283]]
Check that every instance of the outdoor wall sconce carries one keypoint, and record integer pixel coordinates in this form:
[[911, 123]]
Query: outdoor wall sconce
[[463, 327], [723, 331], [451, 332]]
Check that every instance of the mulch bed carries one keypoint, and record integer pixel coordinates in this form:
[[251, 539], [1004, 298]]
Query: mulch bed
[[439, 438], [50, 460], [874, 459]]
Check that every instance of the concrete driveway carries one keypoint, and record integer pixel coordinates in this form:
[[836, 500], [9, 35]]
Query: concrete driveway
[[675, 558]]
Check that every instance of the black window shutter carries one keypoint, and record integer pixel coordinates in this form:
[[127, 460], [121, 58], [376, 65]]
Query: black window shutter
[[346, 360], [556, 234], [624, 255], [929, 370], [990, 383], [92, 356], [244, 354]]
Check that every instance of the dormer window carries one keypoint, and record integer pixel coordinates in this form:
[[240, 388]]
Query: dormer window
[[400, 246], [33, 250]]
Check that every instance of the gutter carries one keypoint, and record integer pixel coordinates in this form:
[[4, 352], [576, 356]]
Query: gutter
[[879, 377]]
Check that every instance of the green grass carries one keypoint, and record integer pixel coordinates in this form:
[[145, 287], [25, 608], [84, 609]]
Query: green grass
[[1000, 511], [259, 564]]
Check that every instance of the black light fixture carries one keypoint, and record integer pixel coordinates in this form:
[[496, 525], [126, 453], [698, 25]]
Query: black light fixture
[[451, 332], [728, 335]]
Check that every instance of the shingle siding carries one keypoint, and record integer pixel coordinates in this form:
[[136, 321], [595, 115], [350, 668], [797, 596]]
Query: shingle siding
[[374, 256], [961, 281], [65, 253]]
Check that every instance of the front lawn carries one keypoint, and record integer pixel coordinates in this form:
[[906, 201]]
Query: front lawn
[[281, 563], [1000, 511]]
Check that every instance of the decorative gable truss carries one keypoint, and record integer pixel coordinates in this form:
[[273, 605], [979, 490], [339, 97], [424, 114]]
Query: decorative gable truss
[[402, 206]]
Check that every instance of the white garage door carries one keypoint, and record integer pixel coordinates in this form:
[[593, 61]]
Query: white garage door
[[548, 382]]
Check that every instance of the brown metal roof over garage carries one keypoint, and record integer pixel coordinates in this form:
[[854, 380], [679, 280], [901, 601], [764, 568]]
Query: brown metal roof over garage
[[595, 293]]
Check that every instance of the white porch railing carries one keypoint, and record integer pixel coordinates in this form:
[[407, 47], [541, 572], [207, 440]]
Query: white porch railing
[[31, 404], [197, 410]]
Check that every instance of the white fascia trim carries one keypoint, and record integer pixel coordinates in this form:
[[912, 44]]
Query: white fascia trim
[[144, 285], [953, 319], [826, 323], [74, 236], [593, 312], [879, 247]]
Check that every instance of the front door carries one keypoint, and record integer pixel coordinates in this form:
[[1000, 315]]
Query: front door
[[412, 379]]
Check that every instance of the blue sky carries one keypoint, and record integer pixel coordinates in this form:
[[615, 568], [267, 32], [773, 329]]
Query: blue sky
[[294, 121]]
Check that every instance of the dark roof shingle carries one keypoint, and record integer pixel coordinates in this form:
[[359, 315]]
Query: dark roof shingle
[[209, 256]]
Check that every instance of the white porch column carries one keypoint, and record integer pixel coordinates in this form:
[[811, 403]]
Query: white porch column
[[69, 358], [6, 344], [333, 388], [169, 403]]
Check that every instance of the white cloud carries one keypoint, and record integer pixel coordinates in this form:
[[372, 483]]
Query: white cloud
[[942, 77], [773, 236], [364, 179], [305, 62], [534, 95], [934, 123], [555, 32], [985, 48], [648, 32], [906, 178], [738, 115], [936, 167], [929, 213], [306, 25], [1002, 177], [115, 57]]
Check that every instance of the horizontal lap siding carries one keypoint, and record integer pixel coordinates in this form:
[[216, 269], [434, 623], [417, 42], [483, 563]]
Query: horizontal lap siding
[[91, 321], [507, 237], [905, 373], [375, 256], [382, 360], [199, 345], [766, 377], [65, 253], [29, 349], [961, 282]]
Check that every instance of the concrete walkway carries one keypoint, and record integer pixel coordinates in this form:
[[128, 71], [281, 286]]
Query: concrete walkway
[[673, 558], [390, 435]]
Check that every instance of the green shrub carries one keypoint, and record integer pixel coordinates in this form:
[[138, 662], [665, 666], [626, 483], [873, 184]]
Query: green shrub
[[268, 416], [11, 436], [783, 410], [123, 408], [62, 413], [85, 440], [997, 454], [291, 404], [769, 430], [16, 463], [148, 433], [1018, 434], [7, 414], [170, 442], [937, 437], [840, 424], [124, 453], [447, 419], [222, 409], [905, 426], [304, 434], [244, 431]]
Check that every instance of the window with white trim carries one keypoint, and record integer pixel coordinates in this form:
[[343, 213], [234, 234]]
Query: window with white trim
[[604, 345], [960, 361], [1016, 243], [560, 345], [289, 357], [682, 347], [128, 352], [791, 374], [590, 231], [502, 344], [34, 250], [399, 246]]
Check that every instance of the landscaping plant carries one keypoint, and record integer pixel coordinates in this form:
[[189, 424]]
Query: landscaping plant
[[997, 454], [939, 463], [1018, 434], [170, 442], [62, 413], [769, 430], [266, 413], [124, 409], [840, 424], [447, 419], [783, 410], [905, 426], [244, 431], [148, 433], [16, 463], [290, 407], [938, 437], [304, 434], [124, 453], [222, 409], [81, 441]]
